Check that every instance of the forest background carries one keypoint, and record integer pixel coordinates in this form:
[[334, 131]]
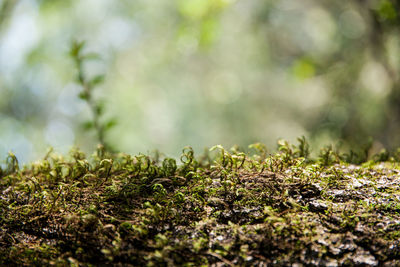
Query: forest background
[[201, 72]]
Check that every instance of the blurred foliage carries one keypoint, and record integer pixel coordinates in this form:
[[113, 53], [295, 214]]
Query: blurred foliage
[[201, 72], [88, 85]]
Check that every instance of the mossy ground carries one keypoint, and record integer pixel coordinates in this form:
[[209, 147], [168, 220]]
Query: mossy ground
[[224, 209]]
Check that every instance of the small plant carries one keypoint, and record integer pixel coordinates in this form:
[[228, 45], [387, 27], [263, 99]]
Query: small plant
[[88, 86], [11, 165], [382, 156], [362, 154], [261, 150], [328, 156], [303, 149]]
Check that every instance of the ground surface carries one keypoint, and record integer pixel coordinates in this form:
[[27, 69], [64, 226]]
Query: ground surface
[[226, 209]]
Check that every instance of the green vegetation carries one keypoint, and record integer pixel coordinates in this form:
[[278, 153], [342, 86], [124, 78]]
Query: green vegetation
[[88, 85], [226, 206], [326, 69], [263, 70]]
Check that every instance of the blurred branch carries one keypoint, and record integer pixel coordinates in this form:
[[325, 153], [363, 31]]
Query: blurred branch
[[6, 9], [377, 44], [381, 28]]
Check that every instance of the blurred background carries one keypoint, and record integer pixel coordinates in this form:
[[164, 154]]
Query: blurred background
[[200, 73]]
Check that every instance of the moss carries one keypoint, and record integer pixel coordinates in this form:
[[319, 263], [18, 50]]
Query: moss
[[228, 207]]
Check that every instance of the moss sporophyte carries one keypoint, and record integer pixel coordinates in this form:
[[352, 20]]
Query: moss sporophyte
[[229, 207]]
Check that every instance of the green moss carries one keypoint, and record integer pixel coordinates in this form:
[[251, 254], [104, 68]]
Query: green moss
[[234, 208]]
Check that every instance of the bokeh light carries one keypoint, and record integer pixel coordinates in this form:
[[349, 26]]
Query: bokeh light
[[200, 73]]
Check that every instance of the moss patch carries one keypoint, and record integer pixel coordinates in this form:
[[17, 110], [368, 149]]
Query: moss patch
[[226, 208]]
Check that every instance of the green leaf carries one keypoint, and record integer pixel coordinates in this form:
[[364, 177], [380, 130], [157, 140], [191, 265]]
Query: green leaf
[[83, 95], [303, 69], [111, 123], [387, 11], [98, 79], [87, 125], [220, 147], [76, 48], [99, 109]]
